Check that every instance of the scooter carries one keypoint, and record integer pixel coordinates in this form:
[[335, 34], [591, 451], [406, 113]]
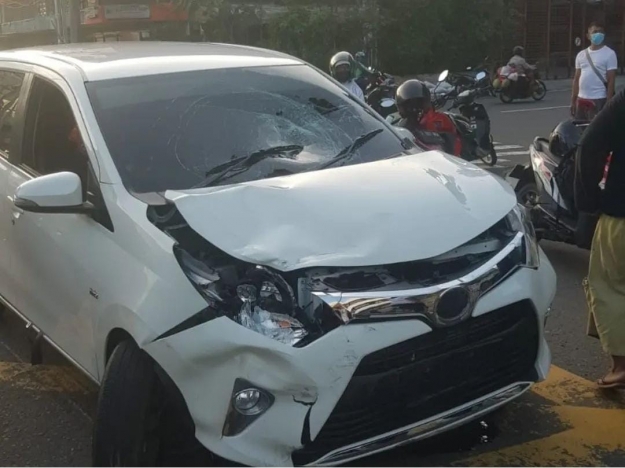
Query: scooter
[[510, 86], [473, 122], [380, 93], [545, 186]]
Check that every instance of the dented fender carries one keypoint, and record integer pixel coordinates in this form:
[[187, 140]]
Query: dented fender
[[205, 361]]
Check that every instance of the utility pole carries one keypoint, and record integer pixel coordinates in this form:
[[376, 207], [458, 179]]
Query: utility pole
[[74, 21], [60, 36]]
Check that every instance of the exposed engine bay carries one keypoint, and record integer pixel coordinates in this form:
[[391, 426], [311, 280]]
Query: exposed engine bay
[[282, 305]]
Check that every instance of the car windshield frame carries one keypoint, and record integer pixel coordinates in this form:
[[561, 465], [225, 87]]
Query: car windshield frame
[[174, 131]]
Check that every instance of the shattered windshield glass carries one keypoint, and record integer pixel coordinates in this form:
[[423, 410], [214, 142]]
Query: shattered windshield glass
[[216, 127]]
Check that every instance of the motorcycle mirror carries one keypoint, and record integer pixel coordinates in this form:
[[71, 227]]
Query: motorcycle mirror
[[578, 41], [469, 68], [480, 76], [443, 76], [386, 103]]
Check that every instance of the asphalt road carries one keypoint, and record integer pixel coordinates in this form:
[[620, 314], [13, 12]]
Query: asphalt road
[[46, 412]]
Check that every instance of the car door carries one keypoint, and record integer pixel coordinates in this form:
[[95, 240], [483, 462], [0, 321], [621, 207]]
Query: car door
[[54, 255], [13, 88]]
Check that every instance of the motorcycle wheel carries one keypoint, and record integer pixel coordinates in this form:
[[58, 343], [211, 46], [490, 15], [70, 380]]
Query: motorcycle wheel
[[493, 153], [527, 195], [540, 91], [491, 158], [505, 97]]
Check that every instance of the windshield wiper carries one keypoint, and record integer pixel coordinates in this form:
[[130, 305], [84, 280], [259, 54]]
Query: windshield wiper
[[239, 165], [350, 150]]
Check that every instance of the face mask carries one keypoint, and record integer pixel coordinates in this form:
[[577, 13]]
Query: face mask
[[597, 38]]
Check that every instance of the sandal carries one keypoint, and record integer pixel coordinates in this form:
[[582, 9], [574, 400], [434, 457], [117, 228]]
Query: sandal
[[614, 385]]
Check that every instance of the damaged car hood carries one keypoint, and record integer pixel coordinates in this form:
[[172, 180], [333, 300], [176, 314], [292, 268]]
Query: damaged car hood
[[391, 211]]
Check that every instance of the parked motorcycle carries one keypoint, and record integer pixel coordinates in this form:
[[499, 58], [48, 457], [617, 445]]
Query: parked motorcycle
[[513, 86], [546, 187], [484, 84], [472, 122], [380, 93]]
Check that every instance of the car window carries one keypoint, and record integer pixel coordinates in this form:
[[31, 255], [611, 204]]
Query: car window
[[217, 127], [52, 142], [10, 87]]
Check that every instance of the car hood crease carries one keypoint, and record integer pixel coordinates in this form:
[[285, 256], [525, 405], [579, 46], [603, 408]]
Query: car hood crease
[[391, 211]]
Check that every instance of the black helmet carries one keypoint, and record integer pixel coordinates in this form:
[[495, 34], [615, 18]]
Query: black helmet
[[342, 59], [564, 138], [518, 50], [413, 99]]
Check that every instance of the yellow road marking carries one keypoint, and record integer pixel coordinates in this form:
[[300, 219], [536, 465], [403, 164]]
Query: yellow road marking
[[564, 388], [53, 378], [592, 424]]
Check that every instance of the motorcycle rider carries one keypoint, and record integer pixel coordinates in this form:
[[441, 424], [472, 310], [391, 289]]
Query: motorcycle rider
[[414, 102], [342, 68], [524, 69]]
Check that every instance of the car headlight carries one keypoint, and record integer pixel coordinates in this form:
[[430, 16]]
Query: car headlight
[[519, 221], [261, 301]]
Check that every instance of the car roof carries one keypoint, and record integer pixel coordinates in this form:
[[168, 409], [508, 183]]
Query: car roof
[[108, 60]]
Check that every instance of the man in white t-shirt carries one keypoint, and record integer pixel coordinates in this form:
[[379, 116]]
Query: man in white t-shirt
[[595, 74], [342, 69]]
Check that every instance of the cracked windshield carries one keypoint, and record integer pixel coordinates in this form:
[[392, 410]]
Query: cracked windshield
[[214, 127]]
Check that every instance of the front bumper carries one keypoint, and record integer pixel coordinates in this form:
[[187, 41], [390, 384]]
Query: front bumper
[[308, 384], [427, 428]]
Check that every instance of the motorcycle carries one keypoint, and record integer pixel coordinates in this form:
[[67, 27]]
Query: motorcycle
[[546, 187], [511, 86], [380, 93], [484, 84], [472, 124]]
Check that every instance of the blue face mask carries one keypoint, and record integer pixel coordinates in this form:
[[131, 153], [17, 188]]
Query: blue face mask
[[597, 38]]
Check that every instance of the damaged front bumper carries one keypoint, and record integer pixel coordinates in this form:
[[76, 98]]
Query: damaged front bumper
[[367, 386]]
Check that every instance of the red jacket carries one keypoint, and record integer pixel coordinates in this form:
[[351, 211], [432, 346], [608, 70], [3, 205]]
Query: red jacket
[[434, 121]]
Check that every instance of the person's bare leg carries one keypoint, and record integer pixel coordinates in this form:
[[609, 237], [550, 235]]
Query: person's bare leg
[[617, 374]]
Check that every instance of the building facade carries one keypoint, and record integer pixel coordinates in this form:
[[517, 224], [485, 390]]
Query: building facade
[[39, 22], [549, 29]]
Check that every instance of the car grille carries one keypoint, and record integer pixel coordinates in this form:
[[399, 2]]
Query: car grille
[[419, 378]]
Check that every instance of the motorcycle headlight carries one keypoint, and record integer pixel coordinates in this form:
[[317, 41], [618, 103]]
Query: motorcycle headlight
[[264, 301], [519, 221]]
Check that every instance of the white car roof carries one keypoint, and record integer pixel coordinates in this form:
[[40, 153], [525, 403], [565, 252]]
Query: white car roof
[[108, 60]]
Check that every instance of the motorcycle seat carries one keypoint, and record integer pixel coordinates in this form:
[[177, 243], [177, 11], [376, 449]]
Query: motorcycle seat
[[541, 144]]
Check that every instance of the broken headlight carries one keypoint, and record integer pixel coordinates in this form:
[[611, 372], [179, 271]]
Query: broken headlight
[[519, 221], [261, 300], [267, 306]]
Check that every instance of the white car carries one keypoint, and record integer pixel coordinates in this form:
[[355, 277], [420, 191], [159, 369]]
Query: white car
[[251, 263]]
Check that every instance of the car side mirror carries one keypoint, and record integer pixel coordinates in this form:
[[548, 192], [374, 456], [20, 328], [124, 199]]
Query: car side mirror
[[53, 193]]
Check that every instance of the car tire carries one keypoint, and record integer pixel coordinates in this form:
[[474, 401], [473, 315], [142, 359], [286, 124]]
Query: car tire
[[124, 428]]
